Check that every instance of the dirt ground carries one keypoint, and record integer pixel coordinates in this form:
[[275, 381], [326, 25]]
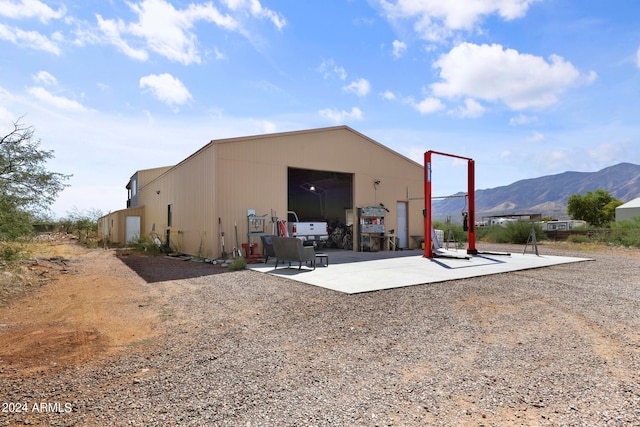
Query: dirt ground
[[121, 339], [79, 305], [82, 304]]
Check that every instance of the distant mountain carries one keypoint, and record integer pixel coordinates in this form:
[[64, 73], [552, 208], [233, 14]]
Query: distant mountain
[[546, 195]]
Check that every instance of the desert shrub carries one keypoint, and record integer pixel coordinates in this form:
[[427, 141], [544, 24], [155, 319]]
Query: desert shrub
[[13, 251], [15, 224], [578, 238], [482, 233], [147, 245], [514, 232], [519, 232], [238, 264], [459, 235], [625, 233], [494, 234], [599, 235]]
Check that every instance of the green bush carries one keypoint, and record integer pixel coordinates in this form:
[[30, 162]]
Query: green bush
[[15, 223], [625, 233], [238, 264], [459, 235], [514, 232], [147, 245], [578, 238], [13, 251]]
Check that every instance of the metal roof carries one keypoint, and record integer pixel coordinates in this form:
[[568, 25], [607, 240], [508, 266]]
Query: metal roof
[[635, 203]]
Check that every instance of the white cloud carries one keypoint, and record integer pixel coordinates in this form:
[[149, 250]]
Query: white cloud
[[360, 87], [491, 73], [170, 32], [557, 158], [59, 102], [328, 68], [522, 119], [428, 105], [536, 137], [5, 117], [257, 11], [30, 9], [45, 78], [505, 154], [111, 31], [608, 152], [218, 54], [166, 88], [399, 48], [638, 57], [388, 95], [341, 116], [265, 126], [472, 109], [29, 39], [436, 20]]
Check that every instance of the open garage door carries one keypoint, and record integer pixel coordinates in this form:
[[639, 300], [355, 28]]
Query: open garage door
[[317, 195]]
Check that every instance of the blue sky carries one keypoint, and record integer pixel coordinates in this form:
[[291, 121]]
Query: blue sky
[[524, 87]]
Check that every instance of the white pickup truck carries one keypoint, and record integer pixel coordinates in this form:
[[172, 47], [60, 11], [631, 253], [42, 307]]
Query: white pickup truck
[[311, 233]]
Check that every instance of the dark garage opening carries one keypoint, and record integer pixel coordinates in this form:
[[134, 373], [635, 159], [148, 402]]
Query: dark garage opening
[[321, 195]]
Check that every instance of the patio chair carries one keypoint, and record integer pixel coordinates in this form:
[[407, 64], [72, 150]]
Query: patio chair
[[268, 247], [291, 249]]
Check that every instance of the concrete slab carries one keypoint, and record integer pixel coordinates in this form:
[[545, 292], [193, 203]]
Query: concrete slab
[[359, 274]]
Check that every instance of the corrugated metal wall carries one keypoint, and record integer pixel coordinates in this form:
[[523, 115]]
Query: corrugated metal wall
[[227, 177], [189, 189], [111, 227], [147, 175]]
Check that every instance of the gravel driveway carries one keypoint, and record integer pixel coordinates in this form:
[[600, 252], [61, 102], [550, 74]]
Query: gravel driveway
[[552, 346]]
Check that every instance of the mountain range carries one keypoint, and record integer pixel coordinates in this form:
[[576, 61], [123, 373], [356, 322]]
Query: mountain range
[[546, 195]]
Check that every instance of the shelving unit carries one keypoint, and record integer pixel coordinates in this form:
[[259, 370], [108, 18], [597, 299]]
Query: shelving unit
[[370, 226], [256, 226]]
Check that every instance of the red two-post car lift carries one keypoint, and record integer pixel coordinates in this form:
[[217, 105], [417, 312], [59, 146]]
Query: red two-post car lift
[[428, 219]]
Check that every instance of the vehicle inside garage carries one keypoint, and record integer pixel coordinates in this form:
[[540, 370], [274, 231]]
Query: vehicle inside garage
[[317, 195]]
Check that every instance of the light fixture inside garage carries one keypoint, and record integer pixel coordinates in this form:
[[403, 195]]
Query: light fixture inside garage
[[312, 188]]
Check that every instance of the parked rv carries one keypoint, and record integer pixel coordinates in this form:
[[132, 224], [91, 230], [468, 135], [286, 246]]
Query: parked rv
[[561, 225], [502, 221]]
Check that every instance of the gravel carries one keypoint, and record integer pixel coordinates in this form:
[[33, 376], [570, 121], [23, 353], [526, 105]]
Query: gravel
[[551, 346]]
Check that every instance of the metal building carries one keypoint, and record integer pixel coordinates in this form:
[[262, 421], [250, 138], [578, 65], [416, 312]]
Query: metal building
[[228, 179], [628, 211]]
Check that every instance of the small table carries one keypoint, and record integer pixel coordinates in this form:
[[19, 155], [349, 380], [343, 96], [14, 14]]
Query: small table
[[323, 256], [390, 242]]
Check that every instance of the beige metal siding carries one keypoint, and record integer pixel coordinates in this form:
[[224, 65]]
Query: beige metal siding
[[227, 177], [252, 172], [189, 188], [145, 176], [111, 227]]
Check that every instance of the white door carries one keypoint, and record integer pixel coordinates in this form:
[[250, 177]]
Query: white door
[[132, 228], [402, 229]]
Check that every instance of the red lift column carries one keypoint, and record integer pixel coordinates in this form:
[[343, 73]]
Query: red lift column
[[471, 219], [428, 219], [428, 251]]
